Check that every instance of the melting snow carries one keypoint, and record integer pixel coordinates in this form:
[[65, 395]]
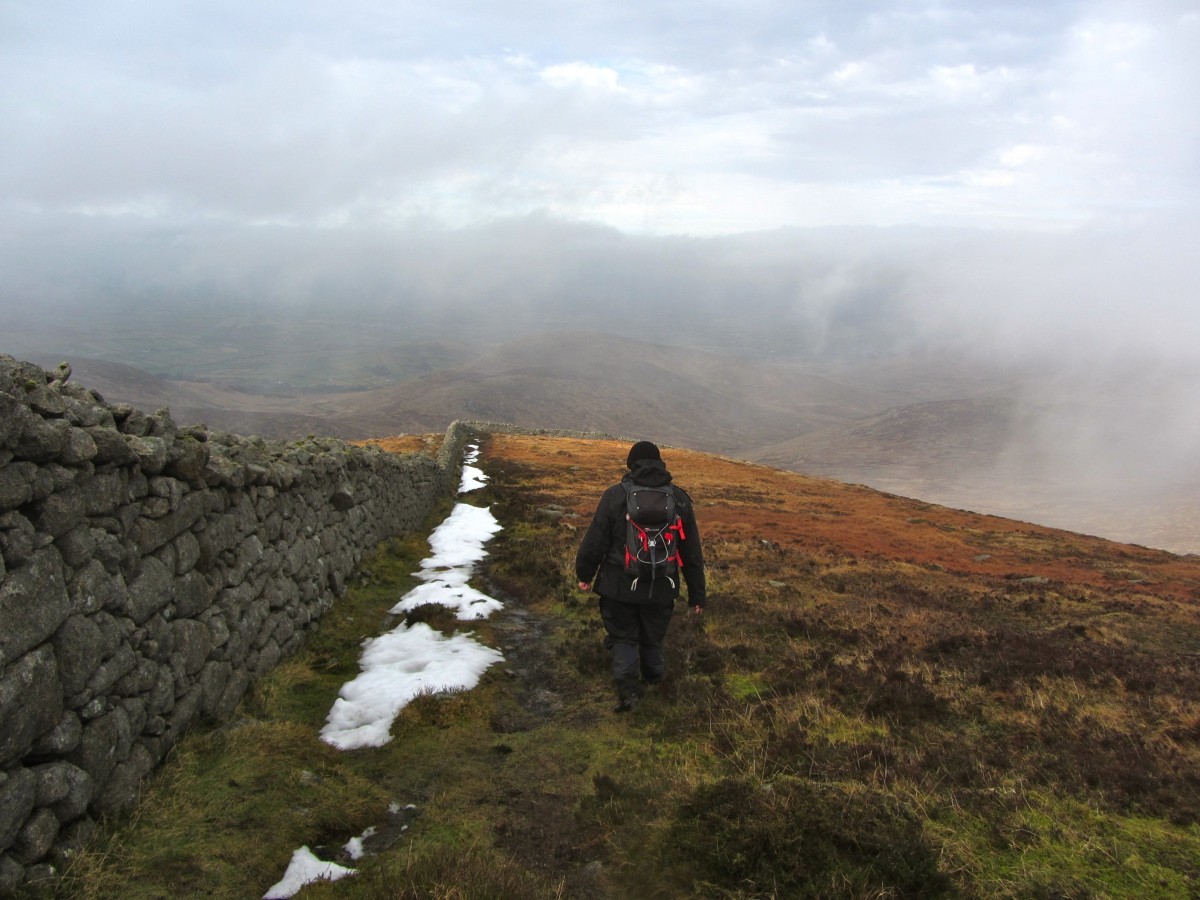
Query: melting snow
[[305, 867], [396, 668], [472, 476], [411, 660], [457, 544]]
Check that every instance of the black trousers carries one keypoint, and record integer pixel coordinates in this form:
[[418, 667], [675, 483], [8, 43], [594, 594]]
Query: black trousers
[[634, 637]]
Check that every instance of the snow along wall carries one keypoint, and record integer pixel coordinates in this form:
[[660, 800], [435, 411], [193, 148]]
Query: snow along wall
[[148, 574]]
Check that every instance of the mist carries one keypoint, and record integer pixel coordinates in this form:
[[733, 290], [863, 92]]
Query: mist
[[926, 201]]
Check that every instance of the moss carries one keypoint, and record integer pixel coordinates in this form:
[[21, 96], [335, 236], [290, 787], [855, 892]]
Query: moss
[[802, 838]]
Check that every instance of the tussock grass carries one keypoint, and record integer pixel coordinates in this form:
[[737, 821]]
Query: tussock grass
[[884, 699]]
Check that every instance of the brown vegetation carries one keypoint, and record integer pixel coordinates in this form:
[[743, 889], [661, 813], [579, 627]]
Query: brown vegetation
[[884, 699]]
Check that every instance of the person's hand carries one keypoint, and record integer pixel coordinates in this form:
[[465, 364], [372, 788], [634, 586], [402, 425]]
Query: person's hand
[[697, 611], [585, 586]]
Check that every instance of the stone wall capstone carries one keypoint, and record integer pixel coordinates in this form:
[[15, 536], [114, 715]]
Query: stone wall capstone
[[148, 574]]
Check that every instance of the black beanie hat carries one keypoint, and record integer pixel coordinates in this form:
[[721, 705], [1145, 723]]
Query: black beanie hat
[[642, 450]]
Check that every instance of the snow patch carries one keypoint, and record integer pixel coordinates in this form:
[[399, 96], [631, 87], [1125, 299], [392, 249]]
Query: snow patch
[[457, 545], [305, 868], [397, 667]]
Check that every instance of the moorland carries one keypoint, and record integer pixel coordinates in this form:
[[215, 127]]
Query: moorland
[[884, 698]]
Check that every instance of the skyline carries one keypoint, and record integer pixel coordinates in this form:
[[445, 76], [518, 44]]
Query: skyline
[[700, 119]]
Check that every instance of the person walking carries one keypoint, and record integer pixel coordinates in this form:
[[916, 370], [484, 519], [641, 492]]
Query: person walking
[[636, 609]]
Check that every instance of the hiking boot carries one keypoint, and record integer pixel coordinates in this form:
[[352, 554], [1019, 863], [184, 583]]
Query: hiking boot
[[626, 704]]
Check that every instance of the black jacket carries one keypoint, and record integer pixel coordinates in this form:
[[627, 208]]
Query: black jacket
[[603, 546]]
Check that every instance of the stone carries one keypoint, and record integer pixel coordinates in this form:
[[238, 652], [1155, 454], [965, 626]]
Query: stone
[[187, 553], [155, 507], [41, 440], [104, 492], [46, 403], [235, 689], [193, 641], [36, 838], [18, 794], [31, 702], [135, 709], [222, 471], [152, 532], [187, 705], [111, 448], [12, 873], [84, 412], [138, 680], [219, 629], [33, 604], [12, 414], [152, 590], [162, 425], [58, 513], [16, 484], [268, 658], [77, 546], [17, 535], [65, 788], [72, 839], [162, 696], [62, 738], [105, 742], [131, 420], [170, 489], [212, 680], [151, 452], [109, 551], [78, 647], [116, 666], [94, 588], [123, 787], [188, 460], [78, 447], [41, 876]]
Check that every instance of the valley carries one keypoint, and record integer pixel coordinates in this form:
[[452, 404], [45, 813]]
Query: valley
[[1007, 440]]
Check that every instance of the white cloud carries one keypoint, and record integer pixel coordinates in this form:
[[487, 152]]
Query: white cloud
[[579, 74], [382, 113], [1021, 154]]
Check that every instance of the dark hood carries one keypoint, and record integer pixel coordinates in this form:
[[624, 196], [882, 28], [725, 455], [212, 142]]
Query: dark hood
[[649, 472]]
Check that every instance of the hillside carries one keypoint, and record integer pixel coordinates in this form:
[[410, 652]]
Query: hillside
[[1101, 459], [885, 698], [550, 380], [619, 386], [1083, 467]]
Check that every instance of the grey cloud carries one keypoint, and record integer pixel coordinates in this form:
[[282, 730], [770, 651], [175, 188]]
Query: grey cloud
[[369, 110]]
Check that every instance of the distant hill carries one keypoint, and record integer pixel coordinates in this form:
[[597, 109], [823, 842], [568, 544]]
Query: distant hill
[[948, 430], [616, 385], [941, 438], [1070, 465], [190, 401]]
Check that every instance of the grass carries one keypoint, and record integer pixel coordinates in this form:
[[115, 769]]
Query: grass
[[871, 707]]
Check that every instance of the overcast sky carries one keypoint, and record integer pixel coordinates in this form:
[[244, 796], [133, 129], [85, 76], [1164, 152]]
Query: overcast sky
[[655, 117], [1021, 178]]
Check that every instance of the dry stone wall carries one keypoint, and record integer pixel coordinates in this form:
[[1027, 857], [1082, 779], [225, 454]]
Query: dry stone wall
[[148, 574]]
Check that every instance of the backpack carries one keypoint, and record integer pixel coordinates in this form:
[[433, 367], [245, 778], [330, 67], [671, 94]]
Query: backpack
[[653, 531]]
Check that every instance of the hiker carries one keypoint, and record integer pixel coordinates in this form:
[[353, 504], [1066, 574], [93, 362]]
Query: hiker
[[638, 589]]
